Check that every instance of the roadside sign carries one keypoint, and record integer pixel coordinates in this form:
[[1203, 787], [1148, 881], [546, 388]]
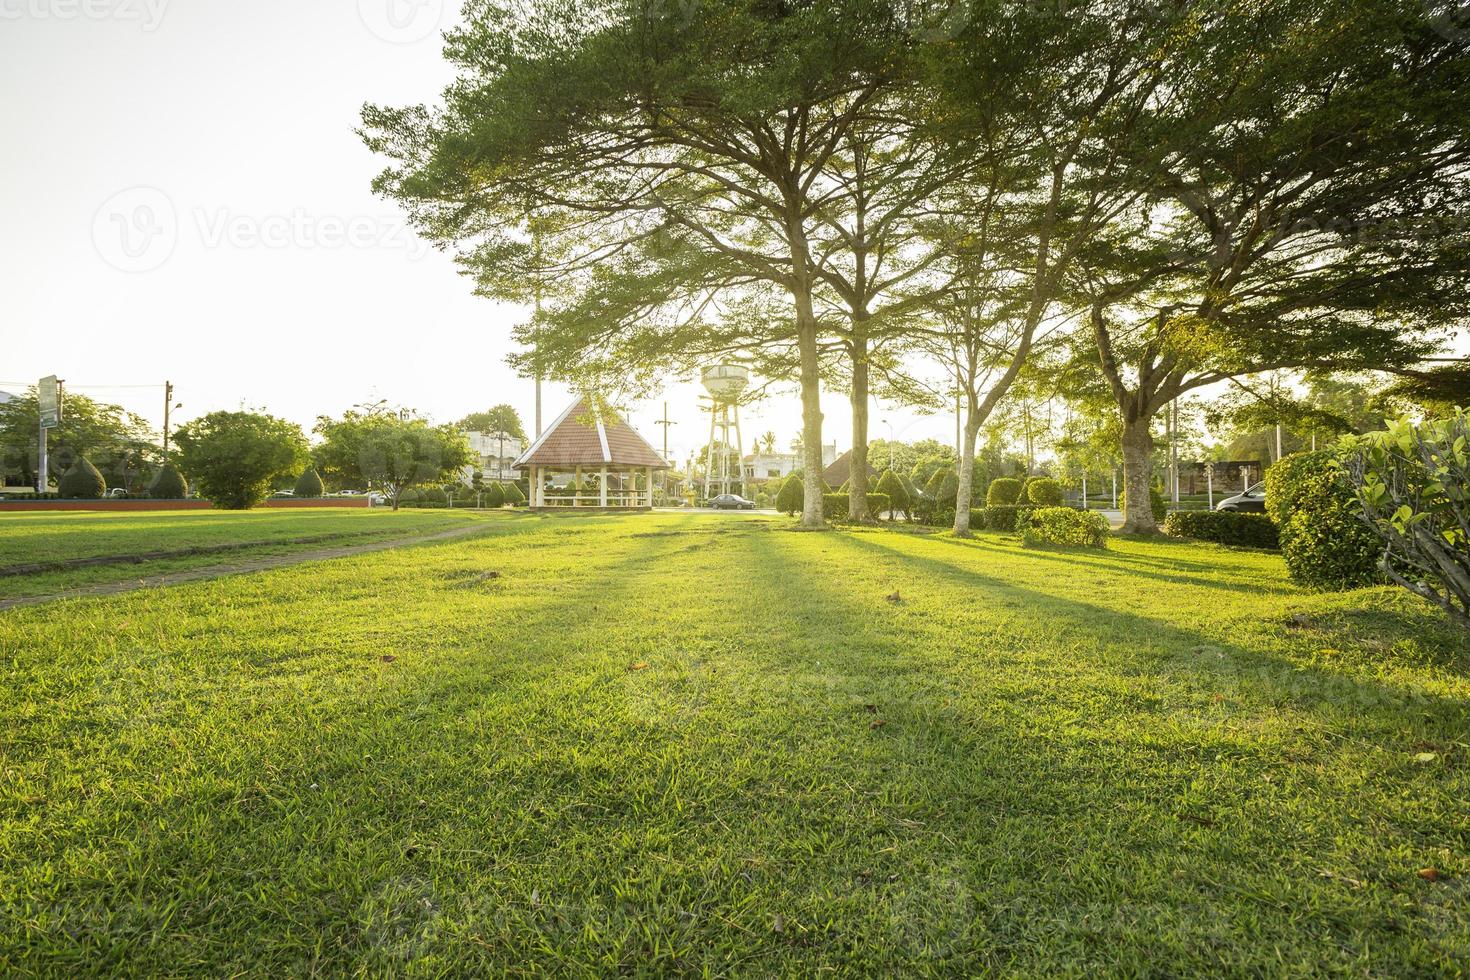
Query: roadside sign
[[49, 392]]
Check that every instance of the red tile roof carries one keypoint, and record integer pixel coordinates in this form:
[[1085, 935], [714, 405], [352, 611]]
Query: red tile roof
[[580, 437]]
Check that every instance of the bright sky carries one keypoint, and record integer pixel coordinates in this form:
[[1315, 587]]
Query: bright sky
[[184, 199]]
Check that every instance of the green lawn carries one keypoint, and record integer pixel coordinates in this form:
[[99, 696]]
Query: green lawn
[[68, 536], [1161, 760]]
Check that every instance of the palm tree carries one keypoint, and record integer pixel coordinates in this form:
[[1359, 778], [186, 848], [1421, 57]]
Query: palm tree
[[768, 443]]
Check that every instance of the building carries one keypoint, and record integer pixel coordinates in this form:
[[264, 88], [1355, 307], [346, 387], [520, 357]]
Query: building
[[590, 458], [495, 456], [775, 466], [839, 471]]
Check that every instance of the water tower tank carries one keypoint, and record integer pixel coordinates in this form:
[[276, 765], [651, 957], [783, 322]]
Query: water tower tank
[[725, 382]]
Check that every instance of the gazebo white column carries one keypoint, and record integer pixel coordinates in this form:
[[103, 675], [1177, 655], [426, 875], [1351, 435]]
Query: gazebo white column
[[602, 486]]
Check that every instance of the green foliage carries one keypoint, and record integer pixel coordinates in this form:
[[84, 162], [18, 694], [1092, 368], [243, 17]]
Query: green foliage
[[1003, 491], [385, 449], [835, 505], [892, 487], [1156, 501], [1063, 526], [235, 457], [1223, 527], [1043, 491], [1286, 481], [410, 498], [791, 496], [168, 484], [942, 488], [309, 485], [514, 495], [501, 418], [493, 495], [82, 481], [1413, 485], [434, 497], [1324, 540], [1004, 517], [115, 439]]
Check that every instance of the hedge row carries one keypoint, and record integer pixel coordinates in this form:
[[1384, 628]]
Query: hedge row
[[1064, 526], [835, 505], [1324, 540], [1223, 527]]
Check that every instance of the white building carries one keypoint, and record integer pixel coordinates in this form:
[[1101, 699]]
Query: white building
[[775, 466], [495, 456]]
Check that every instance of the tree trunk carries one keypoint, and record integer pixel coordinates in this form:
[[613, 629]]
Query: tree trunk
[[1138, 473], [811, 417], [966, 475], [857, 497]]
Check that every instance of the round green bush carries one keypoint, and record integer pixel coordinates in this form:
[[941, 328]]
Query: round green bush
[[1043, 491], [309, 484], [434, 497], [513, 494], [493, 495], [1003, 492], [409, 498], [1325, 542], [168, 484], [82, 481], [1287, 481], [792, 495]]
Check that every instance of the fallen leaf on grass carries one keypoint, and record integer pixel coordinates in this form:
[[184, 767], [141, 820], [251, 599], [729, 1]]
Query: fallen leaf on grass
[[779, 924], [1429, 874], [1426, 757], [894, 596], [1197, 819], [388, 658], [878, 723], [639, 666]]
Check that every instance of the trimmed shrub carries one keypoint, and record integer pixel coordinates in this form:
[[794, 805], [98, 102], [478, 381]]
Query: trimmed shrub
[[1002, 517], [1222, 527], [168, 484], [791, 496], [1043, 491], [309, 484], [1156, 500], [1324, 540], [942, 488], [493, 495], [835, 505], [846, 487], [434, 497], [409, 498], [1063, 526], [1004, 491], [514, 495], [892, 487], [82, 482]]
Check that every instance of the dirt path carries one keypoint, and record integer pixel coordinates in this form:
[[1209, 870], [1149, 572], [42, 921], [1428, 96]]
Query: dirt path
[[241, 568]]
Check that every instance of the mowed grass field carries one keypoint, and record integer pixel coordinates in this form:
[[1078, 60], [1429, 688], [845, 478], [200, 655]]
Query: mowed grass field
[[690, 745], [27, 539]]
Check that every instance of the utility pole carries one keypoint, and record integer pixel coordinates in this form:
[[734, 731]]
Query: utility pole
[[538, 319], [168, 401], [48, 415], [665, 423], [1174, 449]]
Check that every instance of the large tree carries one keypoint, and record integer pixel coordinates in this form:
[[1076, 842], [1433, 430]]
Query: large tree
[[233, 458], [501, 418], [664, 177], [1308, 202], [391, 450], [117, 441]]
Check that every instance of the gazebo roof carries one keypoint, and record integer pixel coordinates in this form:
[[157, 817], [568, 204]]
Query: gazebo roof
[[582, 437]]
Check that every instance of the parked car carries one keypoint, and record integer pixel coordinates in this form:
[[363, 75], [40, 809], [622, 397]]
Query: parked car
[[1251, 500], [376, 499], [116, 493], [731, 501], [282, 494]]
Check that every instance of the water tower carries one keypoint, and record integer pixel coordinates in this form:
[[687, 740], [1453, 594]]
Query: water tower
[[725, 384]]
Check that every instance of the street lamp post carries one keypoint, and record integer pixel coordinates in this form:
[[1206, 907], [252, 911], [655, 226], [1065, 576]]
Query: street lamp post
[[890, 442]]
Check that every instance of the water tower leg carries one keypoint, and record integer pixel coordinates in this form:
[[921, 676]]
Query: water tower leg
[[709, 463], [739, 452]]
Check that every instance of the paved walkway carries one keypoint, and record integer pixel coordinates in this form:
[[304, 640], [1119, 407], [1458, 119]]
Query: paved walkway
[[245, 567]]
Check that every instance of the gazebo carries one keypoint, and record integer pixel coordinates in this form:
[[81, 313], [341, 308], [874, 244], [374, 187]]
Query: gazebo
[[584, 444]]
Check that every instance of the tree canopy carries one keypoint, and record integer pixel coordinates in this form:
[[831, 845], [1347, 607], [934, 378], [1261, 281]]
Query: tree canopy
[[233, 458], [388, 450]]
